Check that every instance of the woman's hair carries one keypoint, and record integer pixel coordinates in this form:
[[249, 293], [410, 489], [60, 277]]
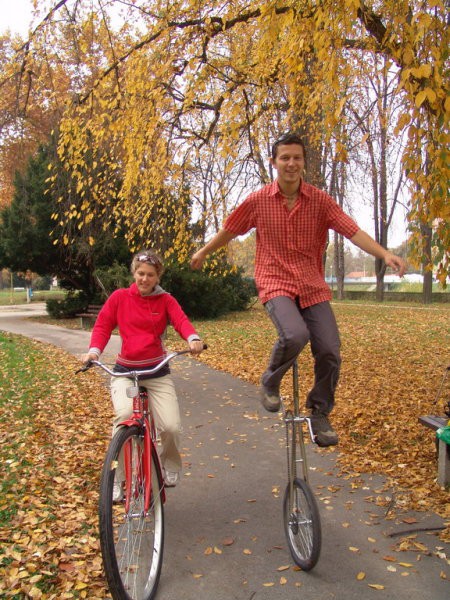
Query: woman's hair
[[288, 139], [151, 258]]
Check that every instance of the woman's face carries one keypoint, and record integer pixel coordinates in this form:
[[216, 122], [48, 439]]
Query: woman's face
[[146, 278]]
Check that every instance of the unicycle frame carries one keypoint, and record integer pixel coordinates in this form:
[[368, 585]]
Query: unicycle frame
[[296, 436]]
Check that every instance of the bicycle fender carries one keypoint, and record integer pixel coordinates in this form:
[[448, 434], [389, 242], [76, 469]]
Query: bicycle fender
[[128, 423]]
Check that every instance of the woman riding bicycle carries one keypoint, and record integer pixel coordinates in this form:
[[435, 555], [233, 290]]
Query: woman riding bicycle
[[142, 313]]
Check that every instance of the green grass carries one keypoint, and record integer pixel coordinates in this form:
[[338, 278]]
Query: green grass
[[403, 286], [16, 404], [24, 376], [8, 297]]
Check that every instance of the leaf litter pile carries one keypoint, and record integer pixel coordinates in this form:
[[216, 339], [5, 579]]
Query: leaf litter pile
[[54, 429]]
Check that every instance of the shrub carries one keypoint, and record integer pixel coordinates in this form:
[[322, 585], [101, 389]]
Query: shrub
[[113, 277], [208, 295], [42, 283], [72, 304]]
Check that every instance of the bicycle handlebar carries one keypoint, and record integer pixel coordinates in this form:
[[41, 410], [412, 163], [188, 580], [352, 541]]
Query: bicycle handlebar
[[133, 374]]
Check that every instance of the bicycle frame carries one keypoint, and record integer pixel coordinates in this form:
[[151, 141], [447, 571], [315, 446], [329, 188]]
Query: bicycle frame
[[143, 418], [131, 524]]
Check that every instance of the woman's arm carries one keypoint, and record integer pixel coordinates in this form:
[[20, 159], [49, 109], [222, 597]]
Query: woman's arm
[[182, 325], [104, 325]]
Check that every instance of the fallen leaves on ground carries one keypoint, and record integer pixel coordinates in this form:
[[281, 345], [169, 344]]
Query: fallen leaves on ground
[[393, 362], [394, 359], [53, 434]]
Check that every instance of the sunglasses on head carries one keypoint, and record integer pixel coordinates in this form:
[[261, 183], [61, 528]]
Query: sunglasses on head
[[148, 259]]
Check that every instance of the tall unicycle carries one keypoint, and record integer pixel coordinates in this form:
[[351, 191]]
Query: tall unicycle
[[300, 510]]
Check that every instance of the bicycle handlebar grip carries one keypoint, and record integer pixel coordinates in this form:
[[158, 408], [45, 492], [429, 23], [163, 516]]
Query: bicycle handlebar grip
[[85, 367]]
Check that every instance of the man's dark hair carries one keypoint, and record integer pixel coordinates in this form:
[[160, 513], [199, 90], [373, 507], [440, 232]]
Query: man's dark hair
[[287, 139]]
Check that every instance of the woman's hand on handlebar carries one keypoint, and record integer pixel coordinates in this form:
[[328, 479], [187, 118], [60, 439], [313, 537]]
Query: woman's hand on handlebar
[[197, 346], [86, 358]]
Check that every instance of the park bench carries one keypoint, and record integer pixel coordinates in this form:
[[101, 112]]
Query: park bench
[[436, 422], [88, 317]]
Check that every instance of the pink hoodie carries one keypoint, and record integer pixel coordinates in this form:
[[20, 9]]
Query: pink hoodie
[[142, 321]]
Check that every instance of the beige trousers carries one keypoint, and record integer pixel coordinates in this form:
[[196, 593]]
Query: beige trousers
[[165, 409]]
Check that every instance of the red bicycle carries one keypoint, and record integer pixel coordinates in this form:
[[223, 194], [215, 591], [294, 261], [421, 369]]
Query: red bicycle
[[132, 530]]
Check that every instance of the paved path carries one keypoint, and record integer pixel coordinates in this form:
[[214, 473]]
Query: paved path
[[224, 528]]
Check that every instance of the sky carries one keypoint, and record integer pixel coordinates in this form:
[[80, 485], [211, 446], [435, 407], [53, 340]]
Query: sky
[[17, 16]]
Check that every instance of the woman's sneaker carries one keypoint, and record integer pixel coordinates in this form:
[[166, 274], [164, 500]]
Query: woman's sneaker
[[324, 434], [117, 492], [171, 478]]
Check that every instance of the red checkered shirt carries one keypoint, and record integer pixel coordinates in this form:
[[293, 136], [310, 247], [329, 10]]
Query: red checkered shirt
[[290, 243]]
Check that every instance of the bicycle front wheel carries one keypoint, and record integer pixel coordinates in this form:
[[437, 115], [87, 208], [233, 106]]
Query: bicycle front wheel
[[132, 541], [302, 524]]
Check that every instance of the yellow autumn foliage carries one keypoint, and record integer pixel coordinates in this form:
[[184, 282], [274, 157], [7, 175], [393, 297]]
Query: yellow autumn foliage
[[176, 95]]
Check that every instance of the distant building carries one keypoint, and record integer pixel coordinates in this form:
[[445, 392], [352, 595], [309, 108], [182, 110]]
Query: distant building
[[357, 275]]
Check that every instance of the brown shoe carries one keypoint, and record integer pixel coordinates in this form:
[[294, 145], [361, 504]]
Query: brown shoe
[[324, 434], [270, 400]]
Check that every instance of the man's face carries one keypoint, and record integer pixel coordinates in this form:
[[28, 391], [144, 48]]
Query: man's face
[[289, 163]]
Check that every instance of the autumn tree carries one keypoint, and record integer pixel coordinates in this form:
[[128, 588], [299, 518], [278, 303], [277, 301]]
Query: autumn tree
[[26, 243], [242, 252], [160, 82], [373, 109], [216, 184], [33, 95]]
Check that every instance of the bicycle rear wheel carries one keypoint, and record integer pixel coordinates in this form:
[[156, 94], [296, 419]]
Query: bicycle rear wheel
[[302, 524], [131, 542]]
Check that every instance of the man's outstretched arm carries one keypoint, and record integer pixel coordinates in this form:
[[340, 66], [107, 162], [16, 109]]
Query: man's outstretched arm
[[369, 245]]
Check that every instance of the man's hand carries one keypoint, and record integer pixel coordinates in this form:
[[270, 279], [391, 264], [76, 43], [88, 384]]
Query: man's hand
[[369, 245], [197, 260], [221, 238], [396, 263]]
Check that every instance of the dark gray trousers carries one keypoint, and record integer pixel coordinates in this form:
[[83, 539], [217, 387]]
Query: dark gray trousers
[[295, 327]]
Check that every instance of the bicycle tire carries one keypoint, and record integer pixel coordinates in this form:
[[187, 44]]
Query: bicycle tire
[[132, 543], [302, 525]]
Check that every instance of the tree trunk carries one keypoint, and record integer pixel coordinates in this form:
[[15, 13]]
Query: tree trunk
[[339, 266], [427, 288], [380, 269]]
